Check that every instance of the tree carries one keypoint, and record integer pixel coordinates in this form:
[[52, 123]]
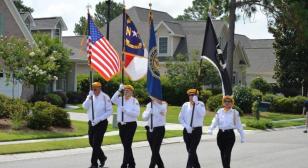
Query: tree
[[225, 9], [100, 14], [260, 84], [13, 53], [291, 40], [44, 63], [21, 7]]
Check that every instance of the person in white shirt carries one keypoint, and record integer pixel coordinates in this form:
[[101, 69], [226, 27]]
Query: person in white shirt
[[191, 117], [127, 113], [227, 119], [97, 121], [155, 114]]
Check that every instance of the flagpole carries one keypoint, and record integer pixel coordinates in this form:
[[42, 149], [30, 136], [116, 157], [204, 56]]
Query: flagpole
[[123, 58], [151, 126], [108, 17], [91, 73]]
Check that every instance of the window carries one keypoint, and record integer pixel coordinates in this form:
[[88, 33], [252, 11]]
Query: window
[[163, 45], [61, 84]]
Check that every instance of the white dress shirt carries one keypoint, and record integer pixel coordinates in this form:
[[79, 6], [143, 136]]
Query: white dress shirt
[[186, 114], [102, 107], [159, 114], [131, 106], [227, 120]]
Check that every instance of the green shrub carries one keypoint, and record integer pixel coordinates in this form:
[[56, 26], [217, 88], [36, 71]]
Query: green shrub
[[40, 118], [59, 117], [63, 98], [260, 124], [76, 97], [261, 84], [214, 102], [19, 110], [54, 99], [205, 95], [4, 113], [257, 94], [243, 98]]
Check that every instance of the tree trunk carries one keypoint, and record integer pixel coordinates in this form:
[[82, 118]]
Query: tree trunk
[[231, 39]]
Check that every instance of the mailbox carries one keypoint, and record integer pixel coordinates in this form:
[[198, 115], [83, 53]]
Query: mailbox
[[264, 106]]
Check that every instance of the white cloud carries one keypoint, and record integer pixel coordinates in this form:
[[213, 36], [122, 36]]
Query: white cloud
[[72, 10]]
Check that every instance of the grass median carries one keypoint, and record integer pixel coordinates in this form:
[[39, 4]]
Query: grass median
[[71, 144]]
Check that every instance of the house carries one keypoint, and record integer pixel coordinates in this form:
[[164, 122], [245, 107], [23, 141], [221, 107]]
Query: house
[[261, 54], [22, 24], [12, 24], [173, 38], [178, 37]]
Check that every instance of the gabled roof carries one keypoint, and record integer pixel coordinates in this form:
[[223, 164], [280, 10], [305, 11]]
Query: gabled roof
[[243, 40], [49, 23], [19, 21], [174, 27], [26, 15], [78, 53]]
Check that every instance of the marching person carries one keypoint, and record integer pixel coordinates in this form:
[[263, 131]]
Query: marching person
[[127, 121], [305, 112], [191, 117], [97, 122], [227, 119], [155, 114]]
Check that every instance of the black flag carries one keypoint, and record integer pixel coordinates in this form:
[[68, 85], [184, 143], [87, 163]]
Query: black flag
[[211, 50]]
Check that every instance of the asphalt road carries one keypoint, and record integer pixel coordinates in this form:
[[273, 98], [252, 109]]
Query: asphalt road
[[275, 149]]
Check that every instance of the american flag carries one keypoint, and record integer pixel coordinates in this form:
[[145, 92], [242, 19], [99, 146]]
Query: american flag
[[102, 56]]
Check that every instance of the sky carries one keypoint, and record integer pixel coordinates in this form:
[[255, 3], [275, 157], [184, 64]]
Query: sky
[[72, 10]]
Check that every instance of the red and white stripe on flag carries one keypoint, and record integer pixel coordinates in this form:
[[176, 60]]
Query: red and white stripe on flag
[[103, 58]]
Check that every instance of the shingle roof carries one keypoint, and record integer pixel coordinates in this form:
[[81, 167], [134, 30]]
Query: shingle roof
[[194, 35], [48, 23], [175, 27], [73, 43], [262, 43], [243, 40], [262, 60], [139, 17]]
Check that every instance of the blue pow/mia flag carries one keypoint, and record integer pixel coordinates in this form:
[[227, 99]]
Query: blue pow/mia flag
[[153, 76]]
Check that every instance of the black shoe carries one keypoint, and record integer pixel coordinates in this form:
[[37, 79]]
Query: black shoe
[[103, 163], [305, 131], [92, 166]]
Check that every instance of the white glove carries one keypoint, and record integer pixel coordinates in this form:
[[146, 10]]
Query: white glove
[[242, 140], [188, 129], [123, 109], [91, 93], [121, 87], [210, 132], [195, 99]]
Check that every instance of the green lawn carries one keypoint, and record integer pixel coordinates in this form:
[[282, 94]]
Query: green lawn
[[173, 113], [79, 128], [70, 144]]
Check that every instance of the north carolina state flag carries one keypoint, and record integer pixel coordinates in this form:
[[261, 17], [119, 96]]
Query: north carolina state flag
[[136, 56]]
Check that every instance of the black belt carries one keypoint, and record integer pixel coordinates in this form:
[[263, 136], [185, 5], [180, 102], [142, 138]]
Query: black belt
[[227, 130]]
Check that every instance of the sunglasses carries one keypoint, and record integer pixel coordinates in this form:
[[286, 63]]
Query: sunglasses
[[191, 95], [227, 101]]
